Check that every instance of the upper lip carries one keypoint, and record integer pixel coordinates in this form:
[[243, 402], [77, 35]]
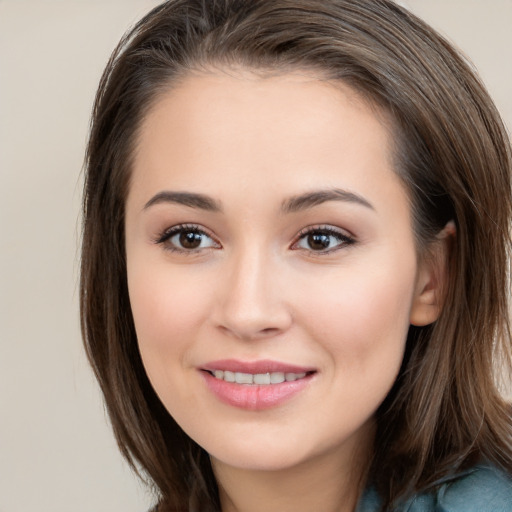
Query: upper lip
[[255, 367]]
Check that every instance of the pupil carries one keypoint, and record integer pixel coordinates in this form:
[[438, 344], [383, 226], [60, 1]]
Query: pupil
[[190, 240], [318, 241]]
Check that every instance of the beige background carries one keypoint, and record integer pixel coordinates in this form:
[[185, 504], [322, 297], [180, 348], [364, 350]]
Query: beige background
[[56, 450]]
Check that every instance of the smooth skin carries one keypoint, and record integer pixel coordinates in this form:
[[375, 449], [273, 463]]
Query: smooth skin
[[233, 254]]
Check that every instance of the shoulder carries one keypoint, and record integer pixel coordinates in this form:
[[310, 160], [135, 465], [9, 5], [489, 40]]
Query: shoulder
[[481, 489]]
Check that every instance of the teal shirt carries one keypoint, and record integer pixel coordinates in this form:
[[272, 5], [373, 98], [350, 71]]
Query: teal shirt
[[480, 489]]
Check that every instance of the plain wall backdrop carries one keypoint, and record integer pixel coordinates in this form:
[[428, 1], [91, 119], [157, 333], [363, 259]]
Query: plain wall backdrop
[[57, 453]]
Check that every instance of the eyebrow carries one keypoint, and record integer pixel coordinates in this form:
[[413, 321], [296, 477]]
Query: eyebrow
[[190, 199], [317, 197], [291, 205]]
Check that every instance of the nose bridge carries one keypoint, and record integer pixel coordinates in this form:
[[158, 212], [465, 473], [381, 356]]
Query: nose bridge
[[252, 305]]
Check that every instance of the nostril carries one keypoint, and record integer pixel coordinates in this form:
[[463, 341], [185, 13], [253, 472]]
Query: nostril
[[248, 334], [269, 330]]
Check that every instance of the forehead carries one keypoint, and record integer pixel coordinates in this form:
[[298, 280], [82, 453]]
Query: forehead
[[294, 104], [223, 130]]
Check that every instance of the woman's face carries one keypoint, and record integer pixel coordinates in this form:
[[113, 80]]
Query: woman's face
[[269, 242]]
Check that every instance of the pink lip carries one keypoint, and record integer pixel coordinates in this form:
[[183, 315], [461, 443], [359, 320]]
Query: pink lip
[[262, 366], [255, 397]]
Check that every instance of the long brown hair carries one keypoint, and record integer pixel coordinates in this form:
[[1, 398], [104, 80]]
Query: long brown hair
[[445, 411]]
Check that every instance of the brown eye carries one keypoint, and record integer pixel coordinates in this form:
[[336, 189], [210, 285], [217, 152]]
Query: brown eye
[[190, 239], [318, 241], [186, 239], [323, 240]]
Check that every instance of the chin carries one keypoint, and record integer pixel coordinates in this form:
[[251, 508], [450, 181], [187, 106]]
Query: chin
[[284, 449], [256, 460]]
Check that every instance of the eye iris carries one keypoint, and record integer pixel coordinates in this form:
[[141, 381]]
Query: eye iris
[[319, 241], [190, 239]]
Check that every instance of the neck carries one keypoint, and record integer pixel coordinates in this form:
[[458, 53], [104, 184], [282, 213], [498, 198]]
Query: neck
[[331, 482]]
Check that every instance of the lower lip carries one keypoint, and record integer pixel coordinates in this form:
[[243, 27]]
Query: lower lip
[[253, 397]]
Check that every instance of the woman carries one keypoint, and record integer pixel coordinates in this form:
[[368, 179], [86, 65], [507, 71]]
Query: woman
[[294, 267]]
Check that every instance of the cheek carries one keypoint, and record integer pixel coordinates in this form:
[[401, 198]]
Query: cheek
[[361, 316], [167, 311]]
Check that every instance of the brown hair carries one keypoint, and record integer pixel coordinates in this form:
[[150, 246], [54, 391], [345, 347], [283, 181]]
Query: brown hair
[[445, 411]]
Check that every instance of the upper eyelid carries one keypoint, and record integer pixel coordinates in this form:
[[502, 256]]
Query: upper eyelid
[[326, 228], [171, 231], [347, 239]]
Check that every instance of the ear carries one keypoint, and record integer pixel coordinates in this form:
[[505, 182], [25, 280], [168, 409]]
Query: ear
[[432, 279]]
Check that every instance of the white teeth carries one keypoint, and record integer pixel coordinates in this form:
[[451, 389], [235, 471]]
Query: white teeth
[[229, 376], [243, 378], [258, 378], [262, 378], [294, 376], [277, 378]]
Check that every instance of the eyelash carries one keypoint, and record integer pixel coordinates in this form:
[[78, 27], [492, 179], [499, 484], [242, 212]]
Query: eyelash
[[180, 229], [343, 239], [168, 234]]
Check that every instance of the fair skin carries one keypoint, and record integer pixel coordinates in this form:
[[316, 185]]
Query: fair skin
[[232, 254]]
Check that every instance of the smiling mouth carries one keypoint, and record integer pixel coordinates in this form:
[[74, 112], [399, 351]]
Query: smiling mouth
[[257, 379], [256, 385]]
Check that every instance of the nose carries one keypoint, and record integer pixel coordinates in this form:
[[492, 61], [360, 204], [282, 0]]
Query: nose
[[251, 301]]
